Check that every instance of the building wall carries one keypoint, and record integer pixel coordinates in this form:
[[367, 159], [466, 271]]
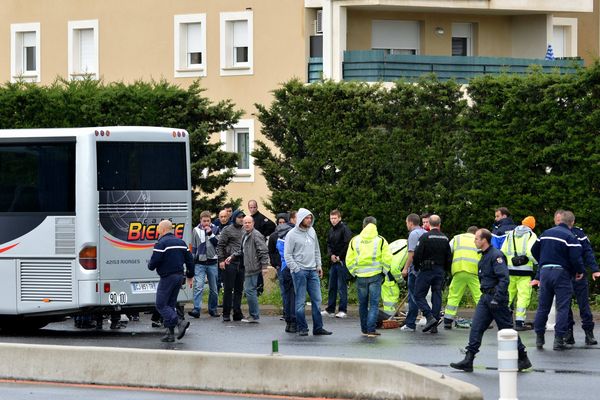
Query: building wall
[[494, 36], [588, 37], [136, 41]]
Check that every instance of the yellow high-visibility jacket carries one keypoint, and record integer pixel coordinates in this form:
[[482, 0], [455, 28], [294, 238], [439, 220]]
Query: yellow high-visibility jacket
[[368, 254]]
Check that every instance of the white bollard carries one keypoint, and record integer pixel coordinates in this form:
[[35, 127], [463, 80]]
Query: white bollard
[[508, 364], [551, 317]]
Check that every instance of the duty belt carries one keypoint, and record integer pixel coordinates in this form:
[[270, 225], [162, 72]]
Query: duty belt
[[488, 291]]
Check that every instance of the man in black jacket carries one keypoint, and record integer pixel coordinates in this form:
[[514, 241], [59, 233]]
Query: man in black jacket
[[433, 257], [337, 245], [168, 258], [230, 242]]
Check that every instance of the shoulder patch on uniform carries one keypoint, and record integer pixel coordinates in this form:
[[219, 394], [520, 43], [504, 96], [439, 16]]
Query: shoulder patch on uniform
[[500, 260]]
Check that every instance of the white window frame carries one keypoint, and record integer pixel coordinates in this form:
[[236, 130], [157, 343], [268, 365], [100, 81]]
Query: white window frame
[[228, 67], [241, 175], [16, 60], [571, 25], [180, 46], [74, 72], [464, 26]]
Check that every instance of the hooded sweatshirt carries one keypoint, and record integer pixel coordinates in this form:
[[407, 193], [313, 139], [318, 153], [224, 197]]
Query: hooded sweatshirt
[[230, 241], [302, 246]]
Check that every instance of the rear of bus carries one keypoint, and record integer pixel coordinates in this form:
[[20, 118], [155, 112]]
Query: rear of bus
[[142, 177]]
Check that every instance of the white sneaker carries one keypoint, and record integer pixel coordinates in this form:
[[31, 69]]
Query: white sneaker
[[406, 328], [341, 314], [326, 313]]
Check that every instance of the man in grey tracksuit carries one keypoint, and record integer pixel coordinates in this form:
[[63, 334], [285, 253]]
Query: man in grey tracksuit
[[303, 257]]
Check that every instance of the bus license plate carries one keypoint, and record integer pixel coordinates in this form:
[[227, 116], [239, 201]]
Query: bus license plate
[[143, 287]]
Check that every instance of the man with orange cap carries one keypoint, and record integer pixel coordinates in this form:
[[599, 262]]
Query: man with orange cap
[[517, 249]]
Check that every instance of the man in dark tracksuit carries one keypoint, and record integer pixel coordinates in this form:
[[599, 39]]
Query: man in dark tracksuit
[[559, 256], [169, 256], [493, 303], [338, 238], [230, 242], [433, 257]]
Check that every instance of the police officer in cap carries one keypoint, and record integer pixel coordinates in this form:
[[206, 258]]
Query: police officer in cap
[[493, 303]]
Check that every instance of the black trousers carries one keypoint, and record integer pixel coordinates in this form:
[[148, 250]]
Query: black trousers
[[233, 285]]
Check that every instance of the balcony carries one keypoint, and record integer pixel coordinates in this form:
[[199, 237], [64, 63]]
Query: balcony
[[376, 65]]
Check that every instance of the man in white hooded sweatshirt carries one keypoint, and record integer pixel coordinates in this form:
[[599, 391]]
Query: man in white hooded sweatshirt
[[303, 257]]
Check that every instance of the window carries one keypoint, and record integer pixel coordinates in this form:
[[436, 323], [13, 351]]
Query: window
[[564, 37], [83, 49], [462, 39], [396, 37], [236, 43], [190, 45], [37, 177], [25, 52], [240, 140], [132, 166]]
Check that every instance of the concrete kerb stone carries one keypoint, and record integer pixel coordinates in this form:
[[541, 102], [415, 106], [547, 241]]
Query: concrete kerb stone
[[247, 373]]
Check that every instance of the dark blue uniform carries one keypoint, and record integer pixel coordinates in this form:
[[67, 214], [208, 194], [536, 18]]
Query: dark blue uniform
[[559, 256], [581, 287], [493, 303], [168, 258], [433, 257]]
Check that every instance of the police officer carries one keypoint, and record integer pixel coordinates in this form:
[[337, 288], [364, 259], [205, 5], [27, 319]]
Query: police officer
[[433, 258], [464, 273], [559, 255], [517, 249], [581, 289], [368, 257], [493, 304], [169, 256]]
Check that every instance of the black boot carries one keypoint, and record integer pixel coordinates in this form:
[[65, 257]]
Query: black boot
[[540, 340], [520, 326], [430, 323], [287, 327], [523, 362], [169, 336], [182, 327], [293, 328], [448, 323], [569, 339], [559, 343], [589, 338], [466, 364]]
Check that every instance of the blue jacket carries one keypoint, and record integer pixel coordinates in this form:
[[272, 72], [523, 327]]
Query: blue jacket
[[559, 246], [169, 256], [589, 259], [493, 274], [499, 231]]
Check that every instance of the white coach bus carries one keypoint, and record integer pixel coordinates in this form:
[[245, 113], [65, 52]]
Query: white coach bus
[[78, 215]]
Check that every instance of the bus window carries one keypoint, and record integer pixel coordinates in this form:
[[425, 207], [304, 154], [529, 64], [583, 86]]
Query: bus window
[[37, 177], [141, 166]]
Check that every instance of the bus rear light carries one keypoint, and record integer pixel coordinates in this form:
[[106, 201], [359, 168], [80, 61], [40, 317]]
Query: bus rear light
[[97, 287], [96, 133], [107, 133], [87, 257], [174, 134], [106, 287], [101, 133]]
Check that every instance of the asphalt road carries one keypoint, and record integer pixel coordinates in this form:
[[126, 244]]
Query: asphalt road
[[555, 375]]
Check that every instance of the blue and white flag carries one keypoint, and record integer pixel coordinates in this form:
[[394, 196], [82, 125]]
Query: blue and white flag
[[549, 53]]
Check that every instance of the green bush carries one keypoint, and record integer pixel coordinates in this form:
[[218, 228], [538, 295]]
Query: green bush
[[91, 103]]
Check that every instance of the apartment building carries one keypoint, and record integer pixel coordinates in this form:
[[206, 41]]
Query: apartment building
[[243, 49]]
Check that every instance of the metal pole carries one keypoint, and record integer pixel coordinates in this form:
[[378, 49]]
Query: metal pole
[[508, 356]]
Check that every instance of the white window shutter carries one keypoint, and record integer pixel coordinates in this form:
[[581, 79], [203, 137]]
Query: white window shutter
[[87, 51], [194, 38], [240, 34]]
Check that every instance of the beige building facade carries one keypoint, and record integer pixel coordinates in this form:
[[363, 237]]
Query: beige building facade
[[242, 50]]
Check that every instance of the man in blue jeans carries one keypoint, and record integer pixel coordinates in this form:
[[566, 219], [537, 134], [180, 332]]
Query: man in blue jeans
[[204, 249], [368, 258], [337, 245], [303, 258], [413, 224], [169, 256]]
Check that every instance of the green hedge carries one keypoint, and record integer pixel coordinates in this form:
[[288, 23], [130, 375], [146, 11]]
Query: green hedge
[[94, 103], [530, 143]]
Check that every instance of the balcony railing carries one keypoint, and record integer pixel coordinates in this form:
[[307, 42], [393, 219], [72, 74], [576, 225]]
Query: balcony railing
[[376, 65]]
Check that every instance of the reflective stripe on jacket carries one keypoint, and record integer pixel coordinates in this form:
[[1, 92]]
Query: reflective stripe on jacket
[[521, 239], [368, 254], [464, 254]]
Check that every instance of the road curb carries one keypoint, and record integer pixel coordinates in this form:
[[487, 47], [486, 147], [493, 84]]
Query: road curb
[[232, 372]]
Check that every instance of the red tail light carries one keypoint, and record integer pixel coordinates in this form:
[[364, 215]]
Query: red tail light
[[87, 257]]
